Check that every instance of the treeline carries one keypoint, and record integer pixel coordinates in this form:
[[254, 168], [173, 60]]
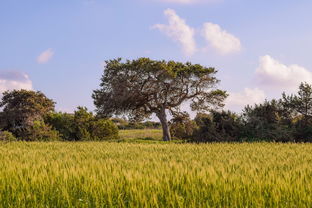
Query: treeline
[[30, 116], [288, 119]]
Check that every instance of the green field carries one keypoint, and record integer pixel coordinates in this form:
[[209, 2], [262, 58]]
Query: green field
[[140, 135], [112, 174]]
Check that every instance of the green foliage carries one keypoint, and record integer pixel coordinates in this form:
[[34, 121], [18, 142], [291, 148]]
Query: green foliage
[[109, 174], [103, 129], [82, 126], [182, 127], [141, 87], [21, 108], [63, 123], [217, 126], [269, 121], [6, 136], [41, 132]]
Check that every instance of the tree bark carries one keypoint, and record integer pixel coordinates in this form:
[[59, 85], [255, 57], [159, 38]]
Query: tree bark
[[164, 124]]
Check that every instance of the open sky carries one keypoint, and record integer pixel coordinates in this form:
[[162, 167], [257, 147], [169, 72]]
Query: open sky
[[260, 47]]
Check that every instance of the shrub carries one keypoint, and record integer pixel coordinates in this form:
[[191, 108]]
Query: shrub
[[7, 136], [82, 126], [42, 132], [182, 127], [103, 130], [64, 124], [217, 126]]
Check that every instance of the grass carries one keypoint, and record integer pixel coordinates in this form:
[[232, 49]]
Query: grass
[[141, 135], [110, 174]]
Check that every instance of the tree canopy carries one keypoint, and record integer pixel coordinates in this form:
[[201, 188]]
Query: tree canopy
[[142, 87], [21, 108]]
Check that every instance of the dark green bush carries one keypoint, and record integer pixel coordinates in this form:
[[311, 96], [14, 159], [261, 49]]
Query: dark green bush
[[217, 126]]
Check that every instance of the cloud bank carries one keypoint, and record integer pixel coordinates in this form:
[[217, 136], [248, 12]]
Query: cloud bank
[[275, 75], [45, 56], [238, 100], [179, 31], [14, 81]]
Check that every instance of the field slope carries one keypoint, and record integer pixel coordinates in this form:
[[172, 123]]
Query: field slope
[[109, 174]]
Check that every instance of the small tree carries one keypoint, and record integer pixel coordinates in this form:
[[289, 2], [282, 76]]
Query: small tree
[[302, 103], [142, 87], [182, 127], [300, 106], [21, 108]]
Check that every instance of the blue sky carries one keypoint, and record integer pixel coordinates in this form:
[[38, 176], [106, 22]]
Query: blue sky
[[260, 48]]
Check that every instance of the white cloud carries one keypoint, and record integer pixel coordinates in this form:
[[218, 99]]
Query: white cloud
[[188, 1], [220, 39], [45, 56], [273, 74], [237, 101], [179, 31], [14, 80]]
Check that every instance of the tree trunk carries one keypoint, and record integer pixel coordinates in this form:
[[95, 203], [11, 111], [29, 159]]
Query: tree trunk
[[164, 124]]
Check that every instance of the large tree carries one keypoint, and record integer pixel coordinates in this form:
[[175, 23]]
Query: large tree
[[142, 87]]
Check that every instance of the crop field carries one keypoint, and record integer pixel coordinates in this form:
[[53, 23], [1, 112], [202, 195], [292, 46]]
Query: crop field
[[111, 174]]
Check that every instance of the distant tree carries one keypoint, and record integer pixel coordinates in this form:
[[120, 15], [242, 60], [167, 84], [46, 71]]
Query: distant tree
[[217, 126], [21, 108], [300, 106], [142, 87], [268, 121], [302, 103]]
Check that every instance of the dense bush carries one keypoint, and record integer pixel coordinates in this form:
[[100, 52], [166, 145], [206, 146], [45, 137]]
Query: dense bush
[[182, 127], [103, 129], [217, 126], [41, 132], [6, 136], [63, 123], [82, 125], [268, 121]]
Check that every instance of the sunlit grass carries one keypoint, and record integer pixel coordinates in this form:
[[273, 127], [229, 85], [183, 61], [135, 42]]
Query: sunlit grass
[[95, 174], [140, 134]]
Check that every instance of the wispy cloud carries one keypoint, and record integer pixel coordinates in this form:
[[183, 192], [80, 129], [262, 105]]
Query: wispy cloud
[[45, 56], [221, 40], [179, 31], [275, 75], [10, 80]]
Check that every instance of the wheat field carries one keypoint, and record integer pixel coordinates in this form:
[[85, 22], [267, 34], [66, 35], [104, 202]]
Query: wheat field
[[110, 174]]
